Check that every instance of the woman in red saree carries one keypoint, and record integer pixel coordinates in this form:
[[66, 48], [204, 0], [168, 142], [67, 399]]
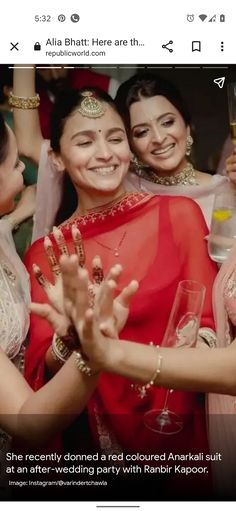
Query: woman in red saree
[[158, 241]]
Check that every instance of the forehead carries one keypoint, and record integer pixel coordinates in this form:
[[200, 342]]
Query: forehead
[[77, 122], [149, 108]]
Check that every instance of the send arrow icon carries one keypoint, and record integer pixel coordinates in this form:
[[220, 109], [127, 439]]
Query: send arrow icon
[[220, 81]]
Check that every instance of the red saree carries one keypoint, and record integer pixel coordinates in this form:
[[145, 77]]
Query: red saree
[[160, 241]]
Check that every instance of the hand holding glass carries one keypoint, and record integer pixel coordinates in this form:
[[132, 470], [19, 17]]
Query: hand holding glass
[[232, 110], [222, 234], [181, 331]]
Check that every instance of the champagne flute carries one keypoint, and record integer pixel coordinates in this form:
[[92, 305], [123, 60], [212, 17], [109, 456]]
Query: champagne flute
[[181, 331], [232, 110]]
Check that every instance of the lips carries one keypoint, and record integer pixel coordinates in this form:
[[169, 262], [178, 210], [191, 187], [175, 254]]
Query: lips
[[163, 150]]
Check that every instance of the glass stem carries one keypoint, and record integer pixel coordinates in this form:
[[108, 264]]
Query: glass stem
[[165, 407]]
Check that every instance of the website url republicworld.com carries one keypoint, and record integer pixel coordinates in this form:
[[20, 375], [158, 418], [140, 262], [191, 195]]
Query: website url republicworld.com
[[57, 483], [68, 53]]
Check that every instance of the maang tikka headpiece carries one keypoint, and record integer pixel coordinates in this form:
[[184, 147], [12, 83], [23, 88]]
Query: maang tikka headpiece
[[90, 106]]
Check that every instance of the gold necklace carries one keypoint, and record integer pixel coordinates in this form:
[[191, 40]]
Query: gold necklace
[[115, 250], [187, 176]]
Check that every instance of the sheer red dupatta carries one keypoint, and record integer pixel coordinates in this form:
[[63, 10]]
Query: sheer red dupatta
[[163, 243]]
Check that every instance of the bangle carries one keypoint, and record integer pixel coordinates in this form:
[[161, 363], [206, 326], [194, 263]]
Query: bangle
[[71, 339], [82, 366], [25, 103], [59, 350], [208, 336], [142, 389]]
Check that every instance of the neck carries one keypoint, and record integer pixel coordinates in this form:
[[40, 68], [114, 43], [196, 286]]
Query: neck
[[88, 201], [173, 172], [184, 176]]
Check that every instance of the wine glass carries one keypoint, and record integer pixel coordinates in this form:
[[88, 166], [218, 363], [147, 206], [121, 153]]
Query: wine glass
[[181, 331]]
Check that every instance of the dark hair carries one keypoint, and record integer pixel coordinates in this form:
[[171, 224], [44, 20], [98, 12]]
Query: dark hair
[[67, 102], [6, 79], [4, 139], [148, 85]]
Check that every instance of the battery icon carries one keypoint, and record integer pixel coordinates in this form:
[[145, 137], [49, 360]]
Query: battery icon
[[222, 18]]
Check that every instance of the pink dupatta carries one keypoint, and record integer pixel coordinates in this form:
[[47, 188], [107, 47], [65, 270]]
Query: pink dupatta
[[222, 408]]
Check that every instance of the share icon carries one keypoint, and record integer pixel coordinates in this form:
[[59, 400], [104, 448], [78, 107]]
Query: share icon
[[220, 82], [166, 46]]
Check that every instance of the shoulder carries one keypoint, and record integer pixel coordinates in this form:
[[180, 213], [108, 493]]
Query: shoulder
[[174, 202], [203, 178], [34, 252], [185, 211], [182, 210], [180, 202]]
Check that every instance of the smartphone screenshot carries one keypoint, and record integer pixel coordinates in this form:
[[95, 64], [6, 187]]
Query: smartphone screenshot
[[117, 255]]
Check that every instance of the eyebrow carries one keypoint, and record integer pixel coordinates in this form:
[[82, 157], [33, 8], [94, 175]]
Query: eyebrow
[[157, 119], [90, 133]]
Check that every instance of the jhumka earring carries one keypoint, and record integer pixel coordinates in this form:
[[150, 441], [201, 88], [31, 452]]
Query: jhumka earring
[[90, 106], [137, 165], [189, 143]]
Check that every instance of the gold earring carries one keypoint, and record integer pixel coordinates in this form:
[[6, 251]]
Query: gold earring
[[139, 166], [189, 143]]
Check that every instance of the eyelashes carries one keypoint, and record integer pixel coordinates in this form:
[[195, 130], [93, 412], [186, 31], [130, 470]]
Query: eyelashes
[[168, 123], [164, 124], [139, 134], [116, 140]]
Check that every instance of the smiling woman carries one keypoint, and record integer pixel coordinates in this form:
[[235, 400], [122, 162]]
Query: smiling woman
[[21, 412], [96, 156], [89, 145], [157, 119], [158, 125]]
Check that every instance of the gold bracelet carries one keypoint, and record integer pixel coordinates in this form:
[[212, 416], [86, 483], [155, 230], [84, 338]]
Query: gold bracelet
[[82, 366], [142, 389], [60, 352], [24, 103]]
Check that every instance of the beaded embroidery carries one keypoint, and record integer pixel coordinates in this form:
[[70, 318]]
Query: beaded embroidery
[[129, 200]]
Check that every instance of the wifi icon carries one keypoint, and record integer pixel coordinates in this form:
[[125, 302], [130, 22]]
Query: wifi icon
[[202, 17]]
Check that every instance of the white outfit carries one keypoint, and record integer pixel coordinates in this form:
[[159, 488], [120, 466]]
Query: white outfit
[[14, 319], [202, 194], [14, 294]]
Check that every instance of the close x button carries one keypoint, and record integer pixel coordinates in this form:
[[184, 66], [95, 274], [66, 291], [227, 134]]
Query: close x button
[[14, 46]]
